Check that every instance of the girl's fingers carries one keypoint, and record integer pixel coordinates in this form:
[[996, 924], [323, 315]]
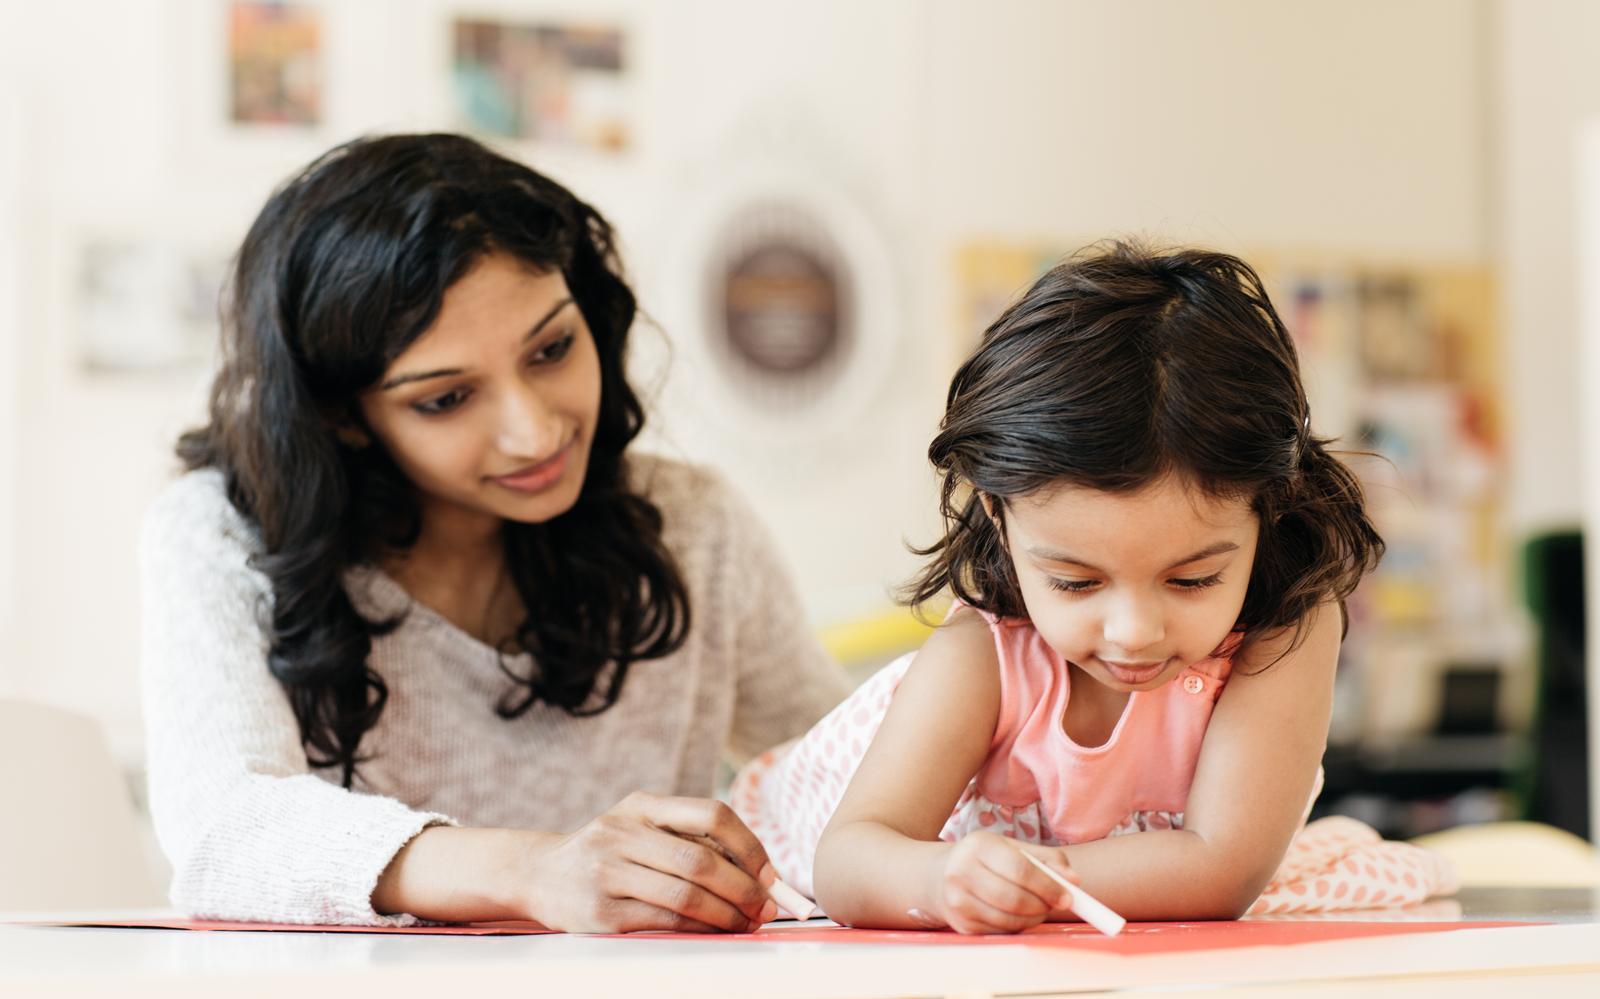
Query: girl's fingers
[[1017, 898], [1038, 874], [975, 914], [1009, 863], [715, 821], [696, 865], [685, 898]]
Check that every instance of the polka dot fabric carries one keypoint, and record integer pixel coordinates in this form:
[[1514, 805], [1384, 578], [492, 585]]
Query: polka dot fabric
[[1339, 863]]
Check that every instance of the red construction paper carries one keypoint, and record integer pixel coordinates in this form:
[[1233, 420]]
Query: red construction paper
[[1137, 938], [507, 929]]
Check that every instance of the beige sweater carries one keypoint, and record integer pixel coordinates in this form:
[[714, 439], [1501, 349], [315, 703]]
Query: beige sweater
[[253, 833]]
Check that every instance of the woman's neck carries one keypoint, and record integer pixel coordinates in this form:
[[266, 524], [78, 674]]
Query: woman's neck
[[457, 567]]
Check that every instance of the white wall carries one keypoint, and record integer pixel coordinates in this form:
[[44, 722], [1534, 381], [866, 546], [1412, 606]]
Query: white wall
[[1586, 190], [10, 336], [1347, 126], [1548, 82]]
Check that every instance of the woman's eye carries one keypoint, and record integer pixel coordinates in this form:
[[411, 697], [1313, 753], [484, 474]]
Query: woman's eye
[[1198, 584], [555, 350], [1071, 585], [441, 403]]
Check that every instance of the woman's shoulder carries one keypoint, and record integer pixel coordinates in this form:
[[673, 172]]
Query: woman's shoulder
[[674, 484], [194, 510], [698, 505]]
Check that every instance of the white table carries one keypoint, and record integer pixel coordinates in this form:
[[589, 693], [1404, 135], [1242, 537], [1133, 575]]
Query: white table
[[1561, 959]]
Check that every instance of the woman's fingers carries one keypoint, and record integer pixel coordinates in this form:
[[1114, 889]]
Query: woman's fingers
[[698, 869], [685, 899], [712, 819], [629, 915]]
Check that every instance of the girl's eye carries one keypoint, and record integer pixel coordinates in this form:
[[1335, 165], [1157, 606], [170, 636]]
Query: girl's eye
[[1198, 584], [1072, 585], [554, 351], [441, 404]]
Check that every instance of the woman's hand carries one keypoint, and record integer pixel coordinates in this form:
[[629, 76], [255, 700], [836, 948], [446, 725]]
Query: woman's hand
[[985, 885], [651, 863]]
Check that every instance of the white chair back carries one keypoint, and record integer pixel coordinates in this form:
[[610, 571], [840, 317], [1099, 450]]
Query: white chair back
[[70, 838]]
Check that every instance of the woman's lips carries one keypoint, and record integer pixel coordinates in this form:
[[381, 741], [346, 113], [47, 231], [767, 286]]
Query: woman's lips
[[538, 478], [1134, 673]]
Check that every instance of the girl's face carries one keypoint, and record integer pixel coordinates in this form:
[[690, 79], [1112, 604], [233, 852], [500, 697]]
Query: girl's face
[[1131, 587], [491, 412]]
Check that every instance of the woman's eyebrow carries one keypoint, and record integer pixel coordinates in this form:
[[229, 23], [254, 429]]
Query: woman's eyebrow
[[421, 376], [1055, 555]]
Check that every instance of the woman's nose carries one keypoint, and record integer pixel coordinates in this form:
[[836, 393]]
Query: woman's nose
[[527, 427]]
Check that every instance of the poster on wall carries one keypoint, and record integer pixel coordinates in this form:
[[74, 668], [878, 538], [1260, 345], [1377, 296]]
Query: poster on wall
[[146, 305], [561, 84], [780, 303], [275, 72]]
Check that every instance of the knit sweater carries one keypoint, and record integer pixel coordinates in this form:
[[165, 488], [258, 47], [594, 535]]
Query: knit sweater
[[255, 833]]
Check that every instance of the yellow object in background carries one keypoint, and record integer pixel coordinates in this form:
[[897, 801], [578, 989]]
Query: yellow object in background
[[1517, 854], [864, 643]]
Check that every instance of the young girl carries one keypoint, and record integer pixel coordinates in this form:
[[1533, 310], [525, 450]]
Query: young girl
[[421, 637], [1149, 551]]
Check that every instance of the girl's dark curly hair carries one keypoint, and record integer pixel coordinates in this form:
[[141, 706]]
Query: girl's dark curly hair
[[1123, 365], [345, 267]]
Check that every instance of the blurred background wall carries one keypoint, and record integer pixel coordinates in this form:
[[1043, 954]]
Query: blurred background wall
[[947, 150]]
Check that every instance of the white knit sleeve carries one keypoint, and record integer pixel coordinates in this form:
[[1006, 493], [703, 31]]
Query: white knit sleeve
[[787, 682], [251, 833]]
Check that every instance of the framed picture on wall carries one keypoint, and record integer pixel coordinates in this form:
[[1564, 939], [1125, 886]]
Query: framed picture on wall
[[540, 79], [275, 62], [263, 86], [145, 304]]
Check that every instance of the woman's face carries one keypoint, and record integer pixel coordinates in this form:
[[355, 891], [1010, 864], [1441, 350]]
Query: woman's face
[[492, 411]]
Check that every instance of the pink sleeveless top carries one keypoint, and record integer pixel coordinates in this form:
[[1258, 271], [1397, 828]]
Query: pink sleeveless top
[[1038, 785]]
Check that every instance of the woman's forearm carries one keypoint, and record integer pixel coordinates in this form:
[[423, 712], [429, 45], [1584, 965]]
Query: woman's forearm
[[461, 875]]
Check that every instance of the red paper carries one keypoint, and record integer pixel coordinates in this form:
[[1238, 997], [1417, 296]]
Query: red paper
[[1137, 938]]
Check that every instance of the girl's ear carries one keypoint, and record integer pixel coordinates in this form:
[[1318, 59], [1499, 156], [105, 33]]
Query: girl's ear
[[992, 509]]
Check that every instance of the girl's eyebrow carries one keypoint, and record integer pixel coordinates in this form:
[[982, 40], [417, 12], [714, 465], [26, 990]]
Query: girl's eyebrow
[[1053, 555], [420, 376]]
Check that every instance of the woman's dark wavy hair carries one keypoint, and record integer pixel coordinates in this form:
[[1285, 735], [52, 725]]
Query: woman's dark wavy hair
[[345, 267], [1124, 365]]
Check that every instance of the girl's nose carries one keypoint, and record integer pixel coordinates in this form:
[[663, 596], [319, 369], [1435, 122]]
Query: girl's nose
[[1134, 625]]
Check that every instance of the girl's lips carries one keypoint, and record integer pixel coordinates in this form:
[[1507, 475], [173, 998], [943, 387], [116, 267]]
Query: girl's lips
[[537, 478], [1134, 673]]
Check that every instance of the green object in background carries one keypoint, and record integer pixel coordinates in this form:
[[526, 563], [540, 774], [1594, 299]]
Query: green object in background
[[1554, 782]]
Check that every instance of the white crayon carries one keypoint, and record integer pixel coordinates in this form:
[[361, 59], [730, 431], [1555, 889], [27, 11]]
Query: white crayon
[[1090, 909]]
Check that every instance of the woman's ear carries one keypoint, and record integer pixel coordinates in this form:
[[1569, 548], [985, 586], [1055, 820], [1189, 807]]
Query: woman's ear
[[352, 435]]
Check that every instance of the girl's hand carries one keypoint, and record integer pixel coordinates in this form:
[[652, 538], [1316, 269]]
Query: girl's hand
[[652, 863], [986, 886]]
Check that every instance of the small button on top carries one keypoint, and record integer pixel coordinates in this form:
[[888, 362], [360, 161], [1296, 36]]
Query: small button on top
[[1193, 684]]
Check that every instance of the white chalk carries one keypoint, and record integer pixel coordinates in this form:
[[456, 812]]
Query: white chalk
[[1090, 909], [791, 901]]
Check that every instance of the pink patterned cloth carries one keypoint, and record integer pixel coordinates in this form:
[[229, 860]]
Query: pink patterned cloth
[[1038, 786]]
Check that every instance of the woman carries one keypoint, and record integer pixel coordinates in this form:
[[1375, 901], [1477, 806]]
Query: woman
[[422, 638]]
